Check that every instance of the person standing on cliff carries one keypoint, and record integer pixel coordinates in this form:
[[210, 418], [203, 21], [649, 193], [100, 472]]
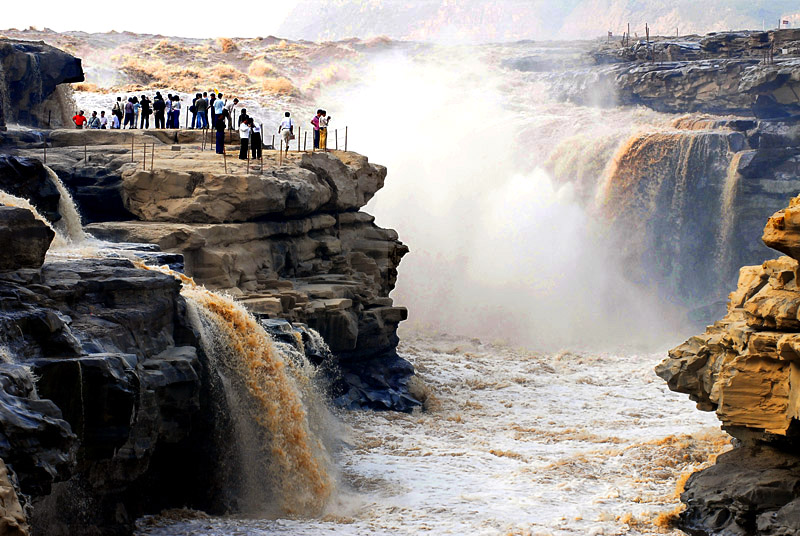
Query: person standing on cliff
[[118, 108], [176, 111], [255, 139], [211, 100], [220, 126], [323, 130], [159, 106], [94, 121], [129, 118], [146, 111], [103, 120], [244, 136], [231, 108], [202, 111], [168, 109], [286, 130], [79, 119], [315, 122]]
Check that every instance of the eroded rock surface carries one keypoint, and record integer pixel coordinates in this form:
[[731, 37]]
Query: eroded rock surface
[[746, 368]]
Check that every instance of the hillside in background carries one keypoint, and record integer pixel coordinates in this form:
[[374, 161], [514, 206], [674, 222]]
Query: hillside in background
[[509, 20]]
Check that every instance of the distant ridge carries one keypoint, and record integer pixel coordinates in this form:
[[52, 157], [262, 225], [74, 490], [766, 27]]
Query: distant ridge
[[511, 20]]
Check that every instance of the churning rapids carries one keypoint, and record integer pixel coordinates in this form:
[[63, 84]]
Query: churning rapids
[[511, 442], [491, 185]]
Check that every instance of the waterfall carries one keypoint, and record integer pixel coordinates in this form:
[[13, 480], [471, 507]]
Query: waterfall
[[270, 396], [59, 241], [70, 223], [730, 190], [5, 108]]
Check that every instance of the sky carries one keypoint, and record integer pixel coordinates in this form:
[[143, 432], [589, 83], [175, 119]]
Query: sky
[[198, 18]]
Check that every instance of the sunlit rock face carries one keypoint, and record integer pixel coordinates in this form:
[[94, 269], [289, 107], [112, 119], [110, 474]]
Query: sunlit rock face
[[746, 368], [29, 77]]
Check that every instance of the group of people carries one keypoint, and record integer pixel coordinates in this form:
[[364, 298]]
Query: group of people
[[166, 111], [137, 111]]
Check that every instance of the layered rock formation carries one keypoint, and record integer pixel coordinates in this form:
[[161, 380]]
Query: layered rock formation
[[30, 74], [287, 240], [745, 368]]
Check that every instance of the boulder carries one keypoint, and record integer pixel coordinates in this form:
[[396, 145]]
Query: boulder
[[27, 178], [31, 72], [23, 239]]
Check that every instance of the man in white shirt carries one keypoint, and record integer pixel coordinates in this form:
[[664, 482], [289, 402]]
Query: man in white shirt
[[286, 130], [244, 136], [115, 121], [103, 120], [231, 106]]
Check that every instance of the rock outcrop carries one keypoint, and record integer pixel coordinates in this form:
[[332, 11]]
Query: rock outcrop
[[287, 240], [746, 368], [30, 74]]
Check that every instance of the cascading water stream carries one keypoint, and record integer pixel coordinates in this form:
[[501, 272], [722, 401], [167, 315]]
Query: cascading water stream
[[70, 223], [273, 406], [59, 241], [729, 193]]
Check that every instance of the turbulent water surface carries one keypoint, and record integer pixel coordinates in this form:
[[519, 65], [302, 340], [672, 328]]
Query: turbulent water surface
[[511, 442]]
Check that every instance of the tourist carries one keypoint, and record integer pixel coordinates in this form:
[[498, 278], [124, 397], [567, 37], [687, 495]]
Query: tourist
[[244, 136], [79, 119], [221, 125], [255, 139], [158, 108], [136, 109], [176, 111], [286, 130], [315, 122], [94, 121], [193, 109], [323, 130], [119, 108], [146, 111], [211, 100], [129, 114], [103, 120], [115, 124], [168, 110], [202, 111], [242, 117], [231, 107], [219, 105]]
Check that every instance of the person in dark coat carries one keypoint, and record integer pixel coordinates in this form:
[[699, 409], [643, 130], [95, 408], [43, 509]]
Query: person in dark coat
[[220, 126], [159, 106], [145, 112]]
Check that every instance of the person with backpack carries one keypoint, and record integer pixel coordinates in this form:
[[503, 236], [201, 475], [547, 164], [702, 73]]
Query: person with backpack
[[118, 109], [94, 121], [193, 109]]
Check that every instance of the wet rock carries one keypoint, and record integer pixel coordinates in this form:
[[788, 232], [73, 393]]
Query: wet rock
[[12, 518], [23, 239], [765, 499], [27, 178], [31, 72]]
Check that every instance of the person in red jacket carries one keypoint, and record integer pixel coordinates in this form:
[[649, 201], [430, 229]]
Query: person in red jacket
[[79, 119]]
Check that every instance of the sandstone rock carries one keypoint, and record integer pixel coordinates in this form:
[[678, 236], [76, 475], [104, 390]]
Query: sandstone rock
[[783, 230], [23, 239], [12, 517], [190, 197], [352, 179]]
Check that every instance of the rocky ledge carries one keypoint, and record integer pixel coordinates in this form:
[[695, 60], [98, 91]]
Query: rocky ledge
[[746, 368], [285, 236], [721, 73]]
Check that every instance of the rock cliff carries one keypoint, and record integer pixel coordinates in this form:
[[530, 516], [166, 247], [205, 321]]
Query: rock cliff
[[745, 368], [30, 74]]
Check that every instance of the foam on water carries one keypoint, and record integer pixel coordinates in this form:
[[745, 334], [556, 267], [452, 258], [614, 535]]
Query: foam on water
[[511, 442]]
